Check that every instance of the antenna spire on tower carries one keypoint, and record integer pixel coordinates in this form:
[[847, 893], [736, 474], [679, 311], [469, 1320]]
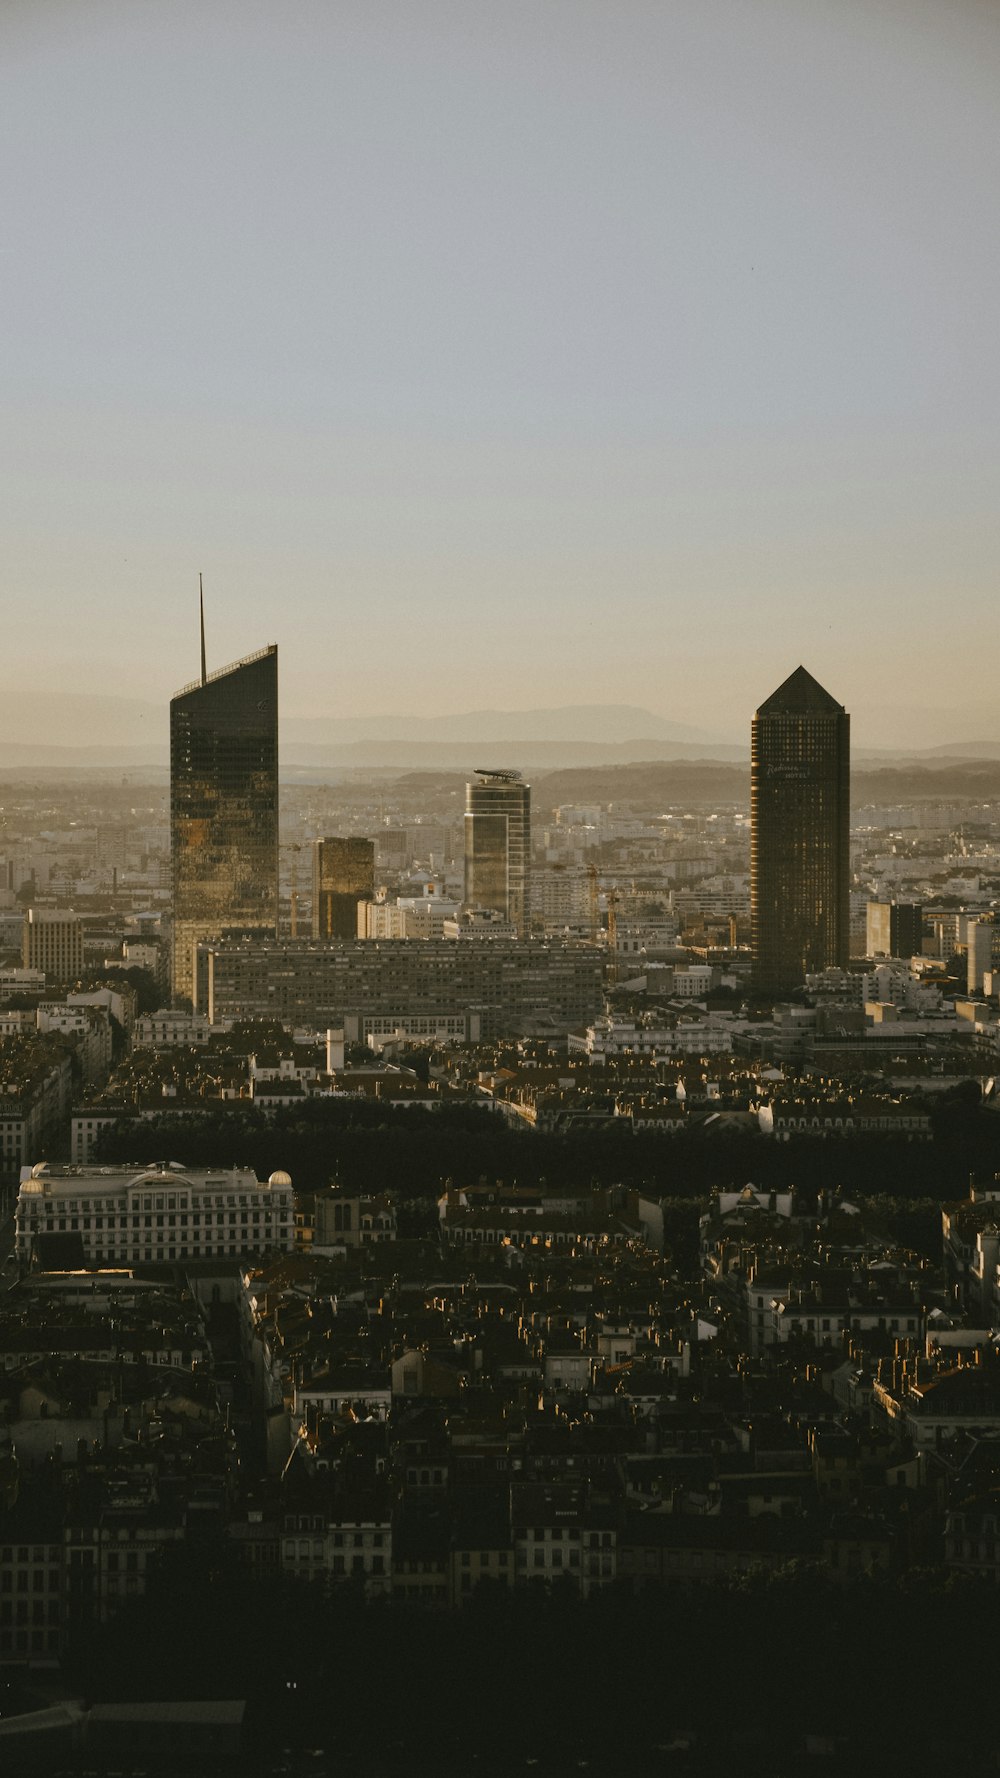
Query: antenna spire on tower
[[201, 606]]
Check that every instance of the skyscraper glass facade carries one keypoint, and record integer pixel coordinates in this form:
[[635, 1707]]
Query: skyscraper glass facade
[[223, 808], [343, 875], [800, 835], [498, 846]]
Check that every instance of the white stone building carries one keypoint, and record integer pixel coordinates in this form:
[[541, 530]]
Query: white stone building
[[125, 1215]]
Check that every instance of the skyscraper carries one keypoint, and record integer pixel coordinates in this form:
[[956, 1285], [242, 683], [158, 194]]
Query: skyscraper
[[498, 845], [223, 807], [799, 834], [343, 875]]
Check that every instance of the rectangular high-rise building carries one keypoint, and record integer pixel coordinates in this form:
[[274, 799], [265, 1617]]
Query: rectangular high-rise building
[[498, 846], [223, 808], [343, 875], [53, 942], [981, 942], [894, 929], [799, 835]]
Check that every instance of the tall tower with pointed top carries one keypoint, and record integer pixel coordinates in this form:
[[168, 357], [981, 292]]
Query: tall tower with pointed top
[[800, 795], [223, 808]]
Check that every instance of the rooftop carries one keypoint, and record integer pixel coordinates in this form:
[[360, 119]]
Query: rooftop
[[800, 695]]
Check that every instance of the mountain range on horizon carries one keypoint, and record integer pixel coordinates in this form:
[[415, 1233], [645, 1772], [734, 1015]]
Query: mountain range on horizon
[[88, 729]]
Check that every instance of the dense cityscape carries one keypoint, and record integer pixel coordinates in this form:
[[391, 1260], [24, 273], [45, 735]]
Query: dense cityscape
[[585, 1202], [499, 889]]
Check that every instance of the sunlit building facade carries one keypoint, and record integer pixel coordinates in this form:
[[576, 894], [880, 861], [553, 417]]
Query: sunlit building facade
[[343, 875], [800, 835], [894, 929], [498, 845], [223, 809]]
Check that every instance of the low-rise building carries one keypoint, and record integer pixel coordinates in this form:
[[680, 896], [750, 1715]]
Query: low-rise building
[[131, 1214]]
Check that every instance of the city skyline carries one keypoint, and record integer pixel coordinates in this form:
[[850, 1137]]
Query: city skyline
[[645, 337], [576, 1219]]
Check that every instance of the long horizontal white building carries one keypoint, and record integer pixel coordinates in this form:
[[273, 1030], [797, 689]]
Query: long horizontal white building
[[125, 1215]]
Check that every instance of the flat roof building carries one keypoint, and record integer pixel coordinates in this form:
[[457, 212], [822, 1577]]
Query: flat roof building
[[514, 987], [498, 846], [343, 875], [53, 942], [894, 929]]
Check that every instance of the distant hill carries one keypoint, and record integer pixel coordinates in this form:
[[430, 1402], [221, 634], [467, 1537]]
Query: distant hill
[[527, 755], [654, 783], [702, 782], [588, 723]]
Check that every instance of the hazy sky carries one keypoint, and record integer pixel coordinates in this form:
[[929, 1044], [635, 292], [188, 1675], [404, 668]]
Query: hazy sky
[[503, 352]]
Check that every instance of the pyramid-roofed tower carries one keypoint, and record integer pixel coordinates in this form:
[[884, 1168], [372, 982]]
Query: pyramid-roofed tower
[[800, 695], [799, 835]]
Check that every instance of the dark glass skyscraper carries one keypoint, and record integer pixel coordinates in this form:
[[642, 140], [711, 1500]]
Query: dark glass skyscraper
[[498, 845], [800, 793], [224, 808]]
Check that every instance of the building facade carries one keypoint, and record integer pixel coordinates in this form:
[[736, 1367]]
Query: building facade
[[53, 943], [223, 808], [343, 875], [799, 835], [512, 987], [127, 1215], [498, 845], [894, 929]]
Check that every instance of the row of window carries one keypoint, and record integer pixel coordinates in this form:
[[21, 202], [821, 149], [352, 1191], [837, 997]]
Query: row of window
[[52, 1213], [43, 1580], [40, 1612], [305, 1547], [539, 1534]]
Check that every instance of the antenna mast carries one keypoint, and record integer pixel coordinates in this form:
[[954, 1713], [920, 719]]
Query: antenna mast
[[201, 607]]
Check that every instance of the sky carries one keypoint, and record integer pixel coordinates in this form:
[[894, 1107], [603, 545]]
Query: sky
[[504, 353]]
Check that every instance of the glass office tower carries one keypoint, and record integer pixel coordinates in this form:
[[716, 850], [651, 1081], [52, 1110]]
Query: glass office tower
[[800, 793], [223, 808], [343, 875], [498, 846]]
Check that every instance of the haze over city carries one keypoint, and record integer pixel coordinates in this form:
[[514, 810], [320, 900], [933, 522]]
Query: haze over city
[[503, 358]]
